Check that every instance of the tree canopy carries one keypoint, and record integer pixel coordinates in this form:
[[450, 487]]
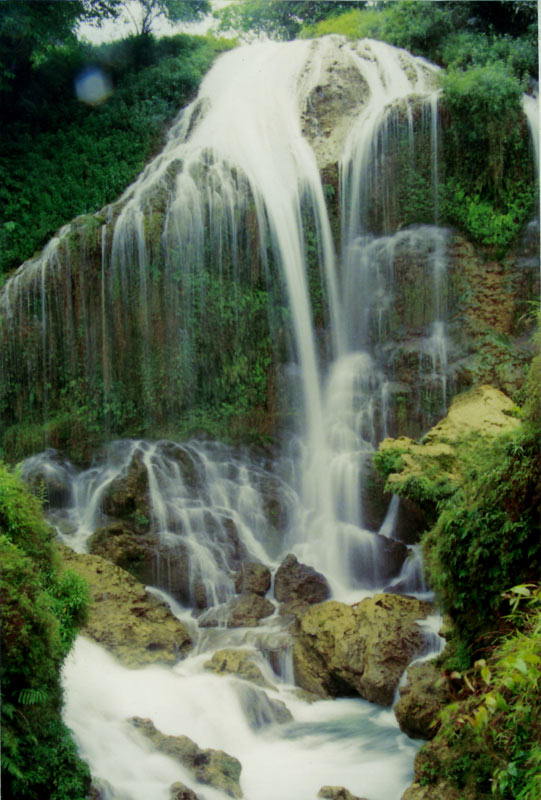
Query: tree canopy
[[172, 10], [281, 19]]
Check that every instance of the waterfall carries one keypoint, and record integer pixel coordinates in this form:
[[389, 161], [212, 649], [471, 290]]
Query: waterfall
[[231, 238]]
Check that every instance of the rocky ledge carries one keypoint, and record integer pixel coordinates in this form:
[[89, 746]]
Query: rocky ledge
[[126, 619], [211, 767]]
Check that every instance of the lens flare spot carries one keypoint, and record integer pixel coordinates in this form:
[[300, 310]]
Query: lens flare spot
[[93, 86]]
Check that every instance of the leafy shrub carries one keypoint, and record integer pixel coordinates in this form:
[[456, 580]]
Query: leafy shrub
[[488, 742], [489, 190], [487, 536], [41, 610]]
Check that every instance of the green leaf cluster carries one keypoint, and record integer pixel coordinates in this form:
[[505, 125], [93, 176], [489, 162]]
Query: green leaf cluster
[[42, 609], [488, 745]]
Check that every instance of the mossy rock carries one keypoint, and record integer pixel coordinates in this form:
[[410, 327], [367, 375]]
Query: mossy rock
[[211, 767], [342, 650], [422, 697], [124, 618], [427, 472], [237, 662]]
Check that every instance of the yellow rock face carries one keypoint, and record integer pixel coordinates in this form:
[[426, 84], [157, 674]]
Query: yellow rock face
[[128, 621], [483, 412]]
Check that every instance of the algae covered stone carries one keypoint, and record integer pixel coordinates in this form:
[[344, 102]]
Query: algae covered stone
[[236, 662], [211, 767], [127, 620], [343, 650]]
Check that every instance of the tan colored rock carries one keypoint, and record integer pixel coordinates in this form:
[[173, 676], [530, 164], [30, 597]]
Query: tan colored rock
[[126, 619], [422, 697], [236, 662], [439, 791], [337, 793], [428, 472], [483, 410], [363, 649], [211, 767]]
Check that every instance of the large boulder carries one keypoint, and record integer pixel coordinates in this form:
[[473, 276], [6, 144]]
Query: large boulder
[[295, 581], [422, 697], [253, 577], [126, 619], [424, 473], [121, 545], [342, 650], [247, 609], [211, 767]]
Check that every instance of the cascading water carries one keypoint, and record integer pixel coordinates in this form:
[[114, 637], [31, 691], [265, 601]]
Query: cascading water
[[226, 201]]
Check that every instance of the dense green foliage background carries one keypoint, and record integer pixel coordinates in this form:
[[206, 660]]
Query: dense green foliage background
[[60, 157], [42, 609]]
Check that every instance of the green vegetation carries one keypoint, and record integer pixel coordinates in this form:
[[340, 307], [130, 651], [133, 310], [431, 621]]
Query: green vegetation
[[61, 157], [488, 743], [483, 558], [42, 609], [280, 19], [487, 534]]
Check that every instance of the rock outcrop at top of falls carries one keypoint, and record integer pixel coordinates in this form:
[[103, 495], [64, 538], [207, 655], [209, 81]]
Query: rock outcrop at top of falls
[[343, 650], [124, 618], [423, 473]]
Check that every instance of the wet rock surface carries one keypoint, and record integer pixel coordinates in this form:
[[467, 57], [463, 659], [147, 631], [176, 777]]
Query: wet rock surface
[[342, 650], [179, 791], [422, 697], [337, 793], [128, 497], [253, 577], [212, 767], [236, 662], [247, 609], [127, 620], [260, 711], [295, 581]]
